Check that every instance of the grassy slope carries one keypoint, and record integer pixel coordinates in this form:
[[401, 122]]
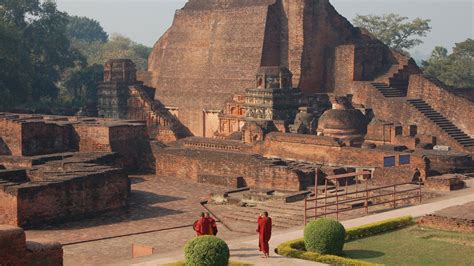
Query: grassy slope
[[414, 246]]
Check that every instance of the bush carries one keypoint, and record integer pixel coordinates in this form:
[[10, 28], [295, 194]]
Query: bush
[[324, 236], [378, 228], [206, 251], [295, 249]]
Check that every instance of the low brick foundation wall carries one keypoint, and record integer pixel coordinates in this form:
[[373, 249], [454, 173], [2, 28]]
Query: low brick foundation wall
[[15, 250], [12, 246], [43, 252], [447, 223], [226, 181]]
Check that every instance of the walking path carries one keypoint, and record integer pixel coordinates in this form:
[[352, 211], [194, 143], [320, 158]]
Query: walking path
[[246, 249]]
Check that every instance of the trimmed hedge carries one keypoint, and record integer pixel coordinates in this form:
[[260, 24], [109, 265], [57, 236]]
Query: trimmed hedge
[[206, 251], [296, 248], [325, 236], [379, 227]]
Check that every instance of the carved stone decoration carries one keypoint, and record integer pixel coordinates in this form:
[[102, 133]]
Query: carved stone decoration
[[276, 100]]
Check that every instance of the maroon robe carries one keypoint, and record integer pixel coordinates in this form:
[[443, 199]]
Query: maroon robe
[[201, 226], [212, 226], [265, 233]]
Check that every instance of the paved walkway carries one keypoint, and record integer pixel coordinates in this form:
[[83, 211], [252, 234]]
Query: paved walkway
[[246, 250]]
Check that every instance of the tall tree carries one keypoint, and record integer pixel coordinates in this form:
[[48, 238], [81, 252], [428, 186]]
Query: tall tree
[[42, 33], [455, 69], [396, 31], [82, 83], [15, 66], [86, 30], [117, 47]]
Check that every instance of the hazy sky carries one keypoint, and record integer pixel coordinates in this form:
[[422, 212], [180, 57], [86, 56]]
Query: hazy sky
[[144, 21]]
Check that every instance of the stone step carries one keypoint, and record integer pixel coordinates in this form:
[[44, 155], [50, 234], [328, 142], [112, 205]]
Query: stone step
[[447, 126], [466, 141], [252, 218], [464, 138], [253, 212], [459, 135]]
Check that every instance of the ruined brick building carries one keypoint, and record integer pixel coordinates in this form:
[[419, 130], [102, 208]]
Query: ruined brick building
[[54, 169], [257, 93], [263, 84]]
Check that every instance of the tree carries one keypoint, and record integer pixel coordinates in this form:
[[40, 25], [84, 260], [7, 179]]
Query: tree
[[86, 30], [15, 82], [455, 69], [394, 30], [81, 83], [117, 47], [45, 49]]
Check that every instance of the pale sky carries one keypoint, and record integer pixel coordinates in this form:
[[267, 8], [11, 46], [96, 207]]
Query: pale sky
[[144, 21]]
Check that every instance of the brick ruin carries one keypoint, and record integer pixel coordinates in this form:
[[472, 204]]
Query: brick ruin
[[16, 249], [121, 96], [56, 169], [294, 81], [262, 94]]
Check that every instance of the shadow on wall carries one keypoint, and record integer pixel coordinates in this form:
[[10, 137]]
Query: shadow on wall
[[4, 150], [140, 208]]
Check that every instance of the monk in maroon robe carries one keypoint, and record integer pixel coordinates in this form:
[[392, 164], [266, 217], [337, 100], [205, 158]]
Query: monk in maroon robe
[[212, 224], [201, 226], [264, 230]]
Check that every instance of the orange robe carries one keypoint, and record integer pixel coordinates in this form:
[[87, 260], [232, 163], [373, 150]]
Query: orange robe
[[265, 233]]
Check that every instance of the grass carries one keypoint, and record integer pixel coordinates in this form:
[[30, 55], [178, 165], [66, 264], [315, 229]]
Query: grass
[[414, 246], [231, 263]]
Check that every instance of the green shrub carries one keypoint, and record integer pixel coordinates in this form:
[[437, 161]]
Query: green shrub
[[324, 236], [378, 228], [206, 251], [295, 249]]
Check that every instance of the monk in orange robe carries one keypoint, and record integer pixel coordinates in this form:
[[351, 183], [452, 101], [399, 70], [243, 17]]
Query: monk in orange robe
[[201, 226], [264, 230], [212, 224]]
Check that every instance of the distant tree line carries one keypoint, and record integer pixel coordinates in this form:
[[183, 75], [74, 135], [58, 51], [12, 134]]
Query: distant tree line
[[455, 69], [48, 58]]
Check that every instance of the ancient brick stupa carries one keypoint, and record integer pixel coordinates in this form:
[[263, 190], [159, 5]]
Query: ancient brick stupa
[[343, 121], [214, 47]]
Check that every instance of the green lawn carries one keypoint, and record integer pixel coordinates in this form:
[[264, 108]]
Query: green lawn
[[414, 246]]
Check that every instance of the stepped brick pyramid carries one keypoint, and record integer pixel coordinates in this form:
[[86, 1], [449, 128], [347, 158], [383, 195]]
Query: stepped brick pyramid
[[214, 48]]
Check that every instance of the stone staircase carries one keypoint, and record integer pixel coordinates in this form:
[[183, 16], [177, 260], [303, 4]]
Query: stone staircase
[[388, 91], [284, 215], [442, 122]]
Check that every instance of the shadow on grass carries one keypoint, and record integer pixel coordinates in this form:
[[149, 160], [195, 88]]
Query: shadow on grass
[[362, 254]]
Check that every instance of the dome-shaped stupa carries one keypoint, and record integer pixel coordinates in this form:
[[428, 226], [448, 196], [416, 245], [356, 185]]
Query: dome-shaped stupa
[[343, 121]]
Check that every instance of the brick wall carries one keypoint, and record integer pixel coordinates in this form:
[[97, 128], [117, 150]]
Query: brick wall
[[130, 141], [74, 198], [292, 147], [344, 66], [398, 110], [8, 208], [45, 138], [11, 135], [257, 173], [12, 246], [93, 138], [443, 100], [42, 252]]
